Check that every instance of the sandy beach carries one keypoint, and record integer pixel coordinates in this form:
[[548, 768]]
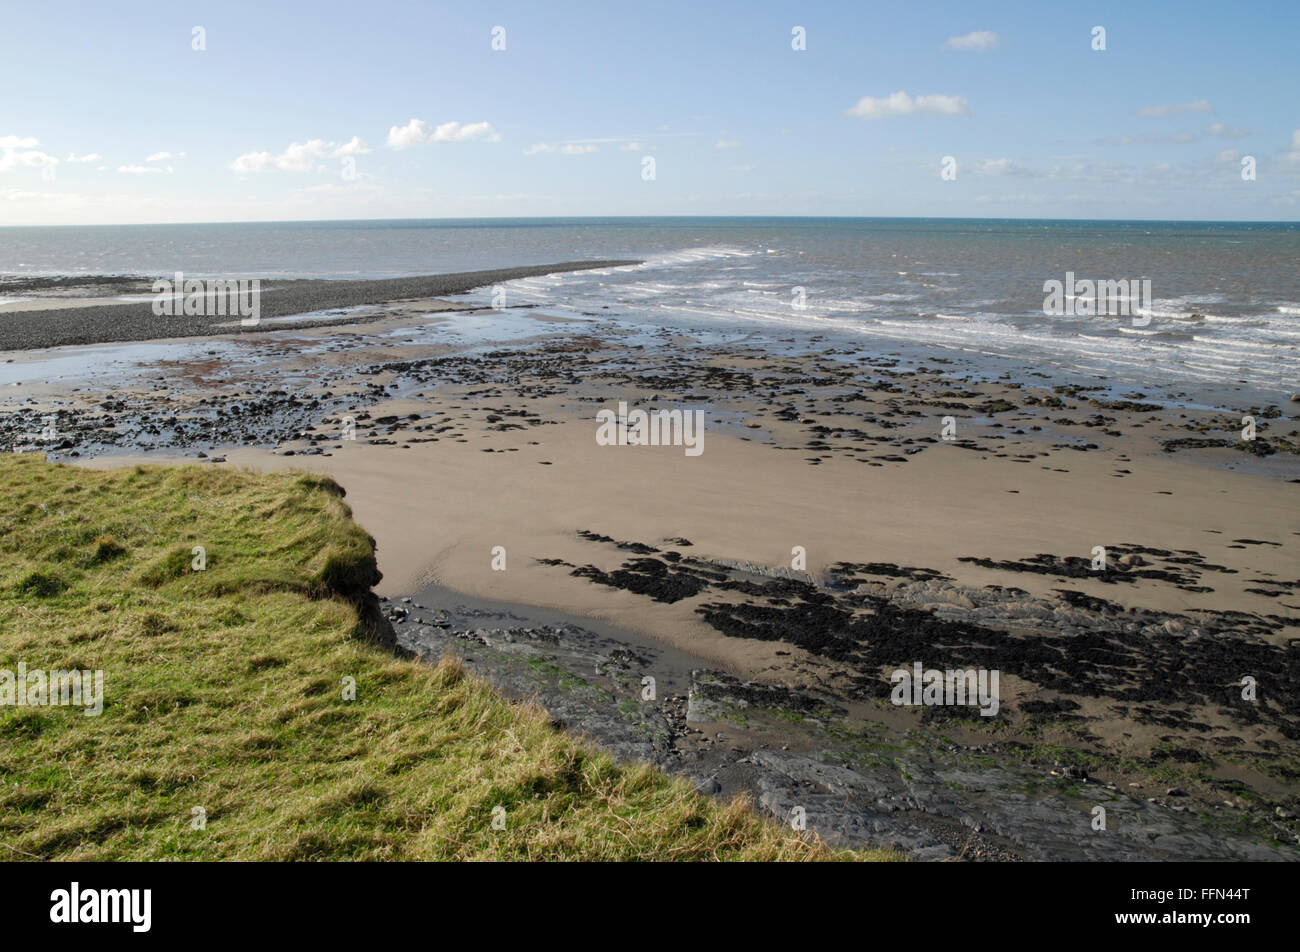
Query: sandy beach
[[848, 514]]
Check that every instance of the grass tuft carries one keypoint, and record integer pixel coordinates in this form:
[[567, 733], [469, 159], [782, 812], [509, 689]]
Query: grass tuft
[[42, 585]]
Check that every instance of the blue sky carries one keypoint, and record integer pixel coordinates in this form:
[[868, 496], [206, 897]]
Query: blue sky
[[384, 109]]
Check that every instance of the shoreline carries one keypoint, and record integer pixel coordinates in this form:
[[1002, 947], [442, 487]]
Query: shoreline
[[100, 323], [968, 552]]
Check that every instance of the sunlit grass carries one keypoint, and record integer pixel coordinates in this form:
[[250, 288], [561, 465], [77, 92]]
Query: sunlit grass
[[224, 690]]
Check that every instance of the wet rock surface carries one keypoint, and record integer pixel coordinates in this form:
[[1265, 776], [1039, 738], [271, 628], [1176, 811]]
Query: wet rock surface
[[825, 739], [870, 410], [869, 617], [805, 758]]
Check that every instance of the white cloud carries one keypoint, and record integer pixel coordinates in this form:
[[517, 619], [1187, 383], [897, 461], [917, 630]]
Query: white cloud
[[159, 157], [901, 104], [139, 169], [20, 195], [33, 160], [978, 40], [1225, 131], [15, 151], [353, 146], [631, 147], [92, 157], [740, 168], [568, 148], [1174, 109], [298, 157], [1004, 166], [1095, 173], [727, 144], [419, 132]]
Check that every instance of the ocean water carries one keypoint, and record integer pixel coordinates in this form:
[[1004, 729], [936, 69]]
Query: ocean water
[[1224, 309]]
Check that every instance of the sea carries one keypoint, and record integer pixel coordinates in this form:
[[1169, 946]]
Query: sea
[[1218, 311]]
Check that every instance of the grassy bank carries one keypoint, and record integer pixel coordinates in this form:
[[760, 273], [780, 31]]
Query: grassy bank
[[224, 690]]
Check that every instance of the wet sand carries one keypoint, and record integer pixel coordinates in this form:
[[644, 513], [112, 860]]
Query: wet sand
[[973, 551]]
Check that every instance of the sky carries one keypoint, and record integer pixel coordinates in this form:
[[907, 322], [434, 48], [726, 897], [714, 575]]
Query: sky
[[141, 112]]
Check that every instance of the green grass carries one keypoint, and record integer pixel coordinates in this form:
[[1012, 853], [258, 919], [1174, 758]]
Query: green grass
[[224, 690]]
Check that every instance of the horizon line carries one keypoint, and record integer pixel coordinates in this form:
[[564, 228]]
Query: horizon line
[[504, 218]]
